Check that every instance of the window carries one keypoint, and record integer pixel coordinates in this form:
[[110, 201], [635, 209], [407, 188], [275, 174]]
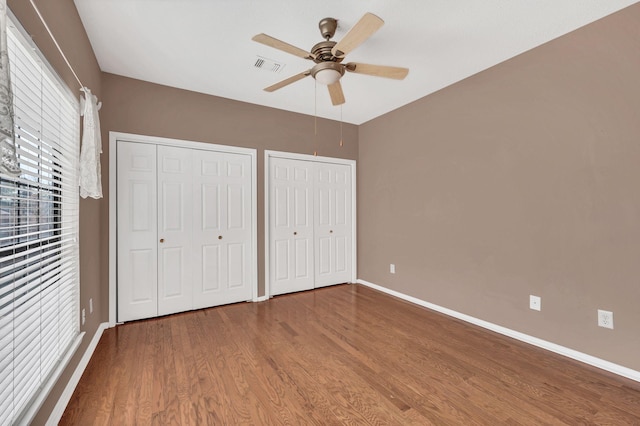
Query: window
[[39, 284]]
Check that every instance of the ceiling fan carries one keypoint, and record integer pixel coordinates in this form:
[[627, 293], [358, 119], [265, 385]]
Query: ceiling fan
[[328, 56]]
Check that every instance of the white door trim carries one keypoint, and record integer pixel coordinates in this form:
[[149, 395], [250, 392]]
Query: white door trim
[[317, 159], [114, 137]]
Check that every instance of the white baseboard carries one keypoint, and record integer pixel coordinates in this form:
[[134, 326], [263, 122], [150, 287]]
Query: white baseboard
[[569, 353], [58, 410]]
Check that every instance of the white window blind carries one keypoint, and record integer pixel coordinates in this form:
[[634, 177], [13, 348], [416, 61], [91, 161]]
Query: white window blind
[[39, 279]]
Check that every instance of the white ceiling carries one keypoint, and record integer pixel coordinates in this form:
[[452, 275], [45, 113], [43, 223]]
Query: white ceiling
[[205, 45]]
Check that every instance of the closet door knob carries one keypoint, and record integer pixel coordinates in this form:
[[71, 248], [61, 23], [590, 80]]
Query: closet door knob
[[295, 233], [331, 232], [162, 240], [219, 237]]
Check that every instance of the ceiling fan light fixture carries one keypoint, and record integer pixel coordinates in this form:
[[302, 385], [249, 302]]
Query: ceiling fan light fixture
[[327, 76], [327, 72]]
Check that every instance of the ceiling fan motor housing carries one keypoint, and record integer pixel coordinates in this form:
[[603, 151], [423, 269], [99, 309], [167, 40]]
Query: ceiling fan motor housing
[[328, 27], [322, 52]]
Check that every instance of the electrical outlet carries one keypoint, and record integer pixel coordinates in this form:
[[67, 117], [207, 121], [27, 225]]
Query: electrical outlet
[[392, 268], [91, 305], [84, 317], [605, 319], [535, 302]]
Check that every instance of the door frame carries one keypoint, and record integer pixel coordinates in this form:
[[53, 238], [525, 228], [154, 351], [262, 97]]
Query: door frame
[[268, 155], [114, 137]]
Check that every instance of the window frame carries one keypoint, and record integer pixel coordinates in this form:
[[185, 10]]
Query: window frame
[[47, 187]]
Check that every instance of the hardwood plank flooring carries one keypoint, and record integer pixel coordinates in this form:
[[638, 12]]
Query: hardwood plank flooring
[[338, 355]]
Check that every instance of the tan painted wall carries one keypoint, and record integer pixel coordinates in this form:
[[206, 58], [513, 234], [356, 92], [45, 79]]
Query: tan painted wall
[[520, 180], [63, 19], [134, 106]]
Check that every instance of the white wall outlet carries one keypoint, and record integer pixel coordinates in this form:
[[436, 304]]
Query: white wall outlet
[[91, 305], [535, 302], [392, 268], [84, 317], [605, 319]]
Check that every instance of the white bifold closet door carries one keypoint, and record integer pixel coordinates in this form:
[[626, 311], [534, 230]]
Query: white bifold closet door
[[291, 233], [332, 213], [137, 217], [310, 224], [184, 229], [222, 228], [175, 252]]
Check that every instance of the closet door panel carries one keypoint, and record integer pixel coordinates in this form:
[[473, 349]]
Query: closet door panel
[[291, 226], [222, 228], [208, 216], [281, 259], [236, 278], [302, 253], [209, 193], [211, 270], [142, 279], [172, 261], [175, 200], [137, 231], [324, 255], [333, 224], [236, 207], [237, 227], [343, 255], [324, 218]]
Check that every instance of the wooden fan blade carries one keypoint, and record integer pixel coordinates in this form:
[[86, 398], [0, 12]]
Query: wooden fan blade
[[335, 91], [362, 30], [281, 45], [287, 81], [397, 73]]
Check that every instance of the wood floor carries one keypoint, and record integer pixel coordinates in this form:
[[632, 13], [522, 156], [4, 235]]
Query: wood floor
[[339, 355]]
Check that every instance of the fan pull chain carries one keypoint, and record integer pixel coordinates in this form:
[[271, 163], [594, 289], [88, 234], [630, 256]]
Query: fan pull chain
[[315, 118], [341, 143]]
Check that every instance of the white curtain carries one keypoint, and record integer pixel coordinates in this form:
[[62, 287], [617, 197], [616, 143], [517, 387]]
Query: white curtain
[[9, 163], [90, 181]]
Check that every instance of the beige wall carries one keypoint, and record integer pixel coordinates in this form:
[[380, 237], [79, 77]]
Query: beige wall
[[63, 19], [135, 106], [520, 180]]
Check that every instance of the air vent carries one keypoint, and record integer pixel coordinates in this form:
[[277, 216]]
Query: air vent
[[268, 64]]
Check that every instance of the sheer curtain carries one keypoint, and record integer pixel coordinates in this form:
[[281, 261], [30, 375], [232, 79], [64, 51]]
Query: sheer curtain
[[90, 184]]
